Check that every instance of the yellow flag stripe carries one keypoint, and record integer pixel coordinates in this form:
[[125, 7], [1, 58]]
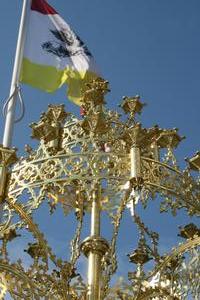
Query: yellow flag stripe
[[49, 79], [46, 78]]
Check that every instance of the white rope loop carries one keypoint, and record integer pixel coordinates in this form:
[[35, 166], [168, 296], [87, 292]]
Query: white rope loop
[[17, 91]]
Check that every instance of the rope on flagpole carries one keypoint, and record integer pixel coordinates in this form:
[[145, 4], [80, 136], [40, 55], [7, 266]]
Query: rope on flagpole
[[17, 92], [22, 106]]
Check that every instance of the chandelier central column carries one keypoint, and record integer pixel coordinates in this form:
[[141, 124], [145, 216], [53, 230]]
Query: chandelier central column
[[94, 247]]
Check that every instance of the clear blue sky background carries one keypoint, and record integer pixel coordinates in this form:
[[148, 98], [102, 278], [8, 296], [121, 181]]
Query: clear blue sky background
[[150, 47]]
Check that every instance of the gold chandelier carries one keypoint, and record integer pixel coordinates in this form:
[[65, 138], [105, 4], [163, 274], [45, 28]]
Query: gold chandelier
[[101, 164]]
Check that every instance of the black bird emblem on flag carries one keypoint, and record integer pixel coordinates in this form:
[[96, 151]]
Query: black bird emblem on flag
[[66, 44]]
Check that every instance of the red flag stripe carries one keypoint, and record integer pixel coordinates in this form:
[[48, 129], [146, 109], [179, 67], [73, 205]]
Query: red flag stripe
[[43, 7]]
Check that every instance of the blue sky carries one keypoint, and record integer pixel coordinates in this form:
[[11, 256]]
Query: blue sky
[[146, 47]]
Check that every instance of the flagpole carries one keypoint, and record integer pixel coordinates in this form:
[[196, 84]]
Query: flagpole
[[10, 115]]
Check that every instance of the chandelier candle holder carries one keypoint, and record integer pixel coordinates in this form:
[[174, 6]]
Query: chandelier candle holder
[[99, 164]]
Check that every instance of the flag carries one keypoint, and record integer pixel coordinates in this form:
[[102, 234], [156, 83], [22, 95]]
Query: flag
[[54, 54]]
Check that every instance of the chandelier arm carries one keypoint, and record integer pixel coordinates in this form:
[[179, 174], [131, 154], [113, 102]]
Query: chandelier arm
[[75, 243], [20, 275], [33, 228], [162, 187], [153, 235], [182, 185], [189, 244], [117, 221], [162, 164], [7, 223], [195, 206], [156, 292]]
